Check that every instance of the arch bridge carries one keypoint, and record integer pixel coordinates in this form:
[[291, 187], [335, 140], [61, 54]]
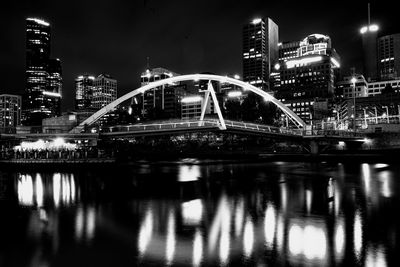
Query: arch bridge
[[209, 93]]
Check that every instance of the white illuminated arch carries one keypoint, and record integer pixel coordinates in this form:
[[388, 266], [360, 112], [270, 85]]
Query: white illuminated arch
[[191, 77]]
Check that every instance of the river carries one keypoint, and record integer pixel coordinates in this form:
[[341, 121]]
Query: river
[[261, 214]]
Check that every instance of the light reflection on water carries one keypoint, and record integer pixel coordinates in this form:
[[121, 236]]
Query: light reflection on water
[[220, 215]]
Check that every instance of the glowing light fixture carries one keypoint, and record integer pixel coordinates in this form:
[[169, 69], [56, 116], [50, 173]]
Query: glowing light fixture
[[52, 94], [39, 21], [293, 63], [256, 20], [335, 62], [192, 99], [234, 94], [237, 76]]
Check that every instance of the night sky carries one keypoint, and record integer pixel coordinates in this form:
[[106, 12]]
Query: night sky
[[116, 37]]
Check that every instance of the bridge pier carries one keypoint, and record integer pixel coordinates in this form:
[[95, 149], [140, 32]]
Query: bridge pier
[[314, 148]]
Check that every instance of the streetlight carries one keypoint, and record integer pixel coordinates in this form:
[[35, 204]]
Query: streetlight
[[387, 113], [353, 81], [376, 115]]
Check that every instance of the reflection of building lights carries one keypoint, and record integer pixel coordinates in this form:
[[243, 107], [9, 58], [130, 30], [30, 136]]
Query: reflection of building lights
[[308, 200], [39, 190], [25, 190], [385, 180], [197, 248], [366, 175], [358, 238], [309, 241], [56, 188], [79, 223], [171, 242], [188, 173], [145, 232], [339, 239], [239, 217], [90, 223], [269, 225], [375, 257], [248, 237], [192, 212]]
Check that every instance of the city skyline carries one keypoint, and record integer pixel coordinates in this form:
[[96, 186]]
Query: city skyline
[[86, 36]]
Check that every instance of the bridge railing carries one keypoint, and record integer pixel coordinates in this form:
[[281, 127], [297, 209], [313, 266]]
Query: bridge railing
[[338, 133], [160, 126], [262, 128]]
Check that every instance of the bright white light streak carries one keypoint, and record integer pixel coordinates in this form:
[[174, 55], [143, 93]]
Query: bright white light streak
[[339, 239], [308, 200], [171, 241], [295, 240], [39, 190], [239, 217], [358, 234], [90, 223], [56, 189], [248, 237], [293, 63], [145, 232], [79, 223], [269, 226], [197, 248]]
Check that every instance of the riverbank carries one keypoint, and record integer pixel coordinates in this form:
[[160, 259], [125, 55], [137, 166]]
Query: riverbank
[[202, 159]]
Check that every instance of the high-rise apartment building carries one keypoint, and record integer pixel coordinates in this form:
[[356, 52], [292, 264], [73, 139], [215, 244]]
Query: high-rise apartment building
[[84, 92], [43, 75], [104, 91], [260, 51], [389, 56]]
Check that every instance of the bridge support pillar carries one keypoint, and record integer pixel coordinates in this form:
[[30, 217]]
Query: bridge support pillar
[[314, 148]]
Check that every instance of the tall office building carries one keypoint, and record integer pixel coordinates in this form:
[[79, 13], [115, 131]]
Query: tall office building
[[163, 101], [369, 35], [104, 91], [43, 75], [84, 92], [389, 56], [260, 51], [308, 80], [10, 112]]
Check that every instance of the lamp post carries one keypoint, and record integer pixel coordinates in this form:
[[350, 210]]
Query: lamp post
[[353, 81], [376, 115]]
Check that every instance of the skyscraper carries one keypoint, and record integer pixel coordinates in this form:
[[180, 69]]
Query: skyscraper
[[84, 92], [43, 75], [389, 56], [104, 91], [260, 51], [369, 34]]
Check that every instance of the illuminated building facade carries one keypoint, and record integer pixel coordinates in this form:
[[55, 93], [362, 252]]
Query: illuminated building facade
[[43, 75], [84, 92], [348, 89], [161, 102], [260, 51], [104, 91], [389, 56], [309, 78], [10, 112]]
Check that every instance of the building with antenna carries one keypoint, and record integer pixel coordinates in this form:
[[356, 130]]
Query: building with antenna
[[369, 34]]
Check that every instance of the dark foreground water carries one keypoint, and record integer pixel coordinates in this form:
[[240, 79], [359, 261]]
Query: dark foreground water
[[271, 214]]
